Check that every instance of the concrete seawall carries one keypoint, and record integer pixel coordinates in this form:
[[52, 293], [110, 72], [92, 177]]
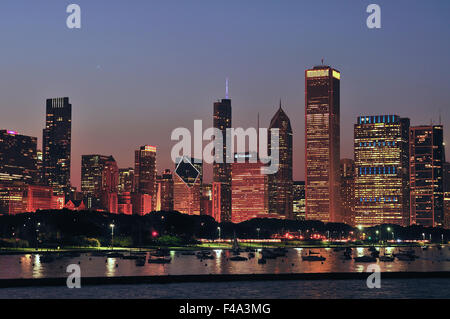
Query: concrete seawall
[[135, 280]]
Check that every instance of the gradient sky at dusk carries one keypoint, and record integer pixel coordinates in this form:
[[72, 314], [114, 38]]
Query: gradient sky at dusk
[[138, 69]]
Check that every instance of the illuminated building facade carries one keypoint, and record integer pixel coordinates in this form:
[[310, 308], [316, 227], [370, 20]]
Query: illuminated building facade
[[125, 205], [299, 200], [446, 179], [17, 197], [145, 171], [382, 170], [322, 143], [249, 189], [18, 158], [126, 180], [187, 186], [99, 182], [280, 183], [206, 200], [141, 204], [348, 191], [165, 192], [216, 201], [427, 157], [222, 171], [57, 144]]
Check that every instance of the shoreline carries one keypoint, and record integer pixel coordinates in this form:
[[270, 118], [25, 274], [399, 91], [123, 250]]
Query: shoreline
[[171, 279]]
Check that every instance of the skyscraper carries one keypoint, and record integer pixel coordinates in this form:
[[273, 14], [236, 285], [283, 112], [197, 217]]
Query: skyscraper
[[446, 178], [322, 143], [145, 172], [165, 191], [280, 183], [347, 191], [299, 203], [18, 158], [99, 181], [126, 180], [427, 157], [222, 171], [249, 190], [57, 144], [187, 186], [382, 170]]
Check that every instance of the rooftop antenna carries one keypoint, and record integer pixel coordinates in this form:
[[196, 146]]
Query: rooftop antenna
[[226, 89], [440, 117], [322, 61], [280, 103]]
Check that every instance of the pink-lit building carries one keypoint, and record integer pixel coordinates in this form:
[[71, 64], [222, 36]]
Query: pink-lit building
[[249, 190]]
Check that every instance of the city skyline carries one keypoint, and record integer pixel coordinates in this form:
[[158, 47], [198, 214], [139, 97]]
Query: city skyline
[[380, 69]]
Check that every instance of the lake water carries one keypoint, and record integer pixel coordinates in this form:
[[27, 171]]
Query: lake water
[[305, 289], [30, 266]]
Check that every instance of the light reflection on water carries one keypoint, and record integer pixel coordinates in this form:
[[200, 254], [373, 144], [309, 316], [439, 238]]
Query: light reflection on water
[[31, 266]]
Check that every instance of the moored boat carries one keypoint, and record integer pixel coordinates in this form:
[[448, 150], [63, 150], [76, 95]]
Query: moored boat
[[365, 259]]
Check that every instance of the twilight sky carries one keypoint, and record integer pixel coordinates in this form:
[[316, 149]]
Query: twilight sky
[[138, 69]]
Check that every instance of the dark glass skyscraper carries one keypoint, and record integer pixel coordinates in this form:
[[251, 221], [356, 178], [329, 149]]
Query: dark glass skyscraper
[[222, 171], [57, 144], [18, 158], [322, 143], [382, 170], [99, 181], [348, 191], [280, 183], [427, 157]]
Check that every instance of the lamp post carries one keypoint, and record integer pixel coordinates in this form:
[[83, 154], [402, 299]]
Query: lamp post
[[218, 228], [112, 236]]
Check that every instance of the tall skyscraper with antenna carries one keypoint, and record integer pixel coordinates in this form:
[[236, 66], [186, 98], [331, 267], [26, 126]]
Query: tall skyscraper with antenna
[[222, 169], [322, 143]]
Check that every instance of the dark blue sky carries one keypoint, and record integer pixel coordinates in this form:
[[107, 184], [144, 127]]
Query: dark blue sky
[[138, 69]]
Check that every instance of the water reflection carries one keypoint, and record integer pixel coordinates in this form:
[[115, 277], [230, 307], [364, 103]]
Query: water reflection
[[31, 266]]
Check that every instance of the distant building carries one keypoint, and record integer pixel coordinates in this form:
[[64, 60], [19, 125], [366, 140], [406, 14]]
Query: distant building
[[141, 204], [17, 197], [75, 205], [206, 200], [216, 206], [427, 157], [446, 179], [222, 171], [126, 180], [125, 203], [145, 172], [249, 189], [99, 182], [322, 143], [57, 144], [382, 170], [165, 192], [348, 191], [299, 201], [280, 183], [18, 158], [187, 186]]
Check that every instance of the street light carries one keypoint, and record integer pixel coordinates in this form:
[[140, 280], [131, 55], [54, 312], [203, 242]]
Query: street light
[[218, 228], [112, 236], [258, 229]]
